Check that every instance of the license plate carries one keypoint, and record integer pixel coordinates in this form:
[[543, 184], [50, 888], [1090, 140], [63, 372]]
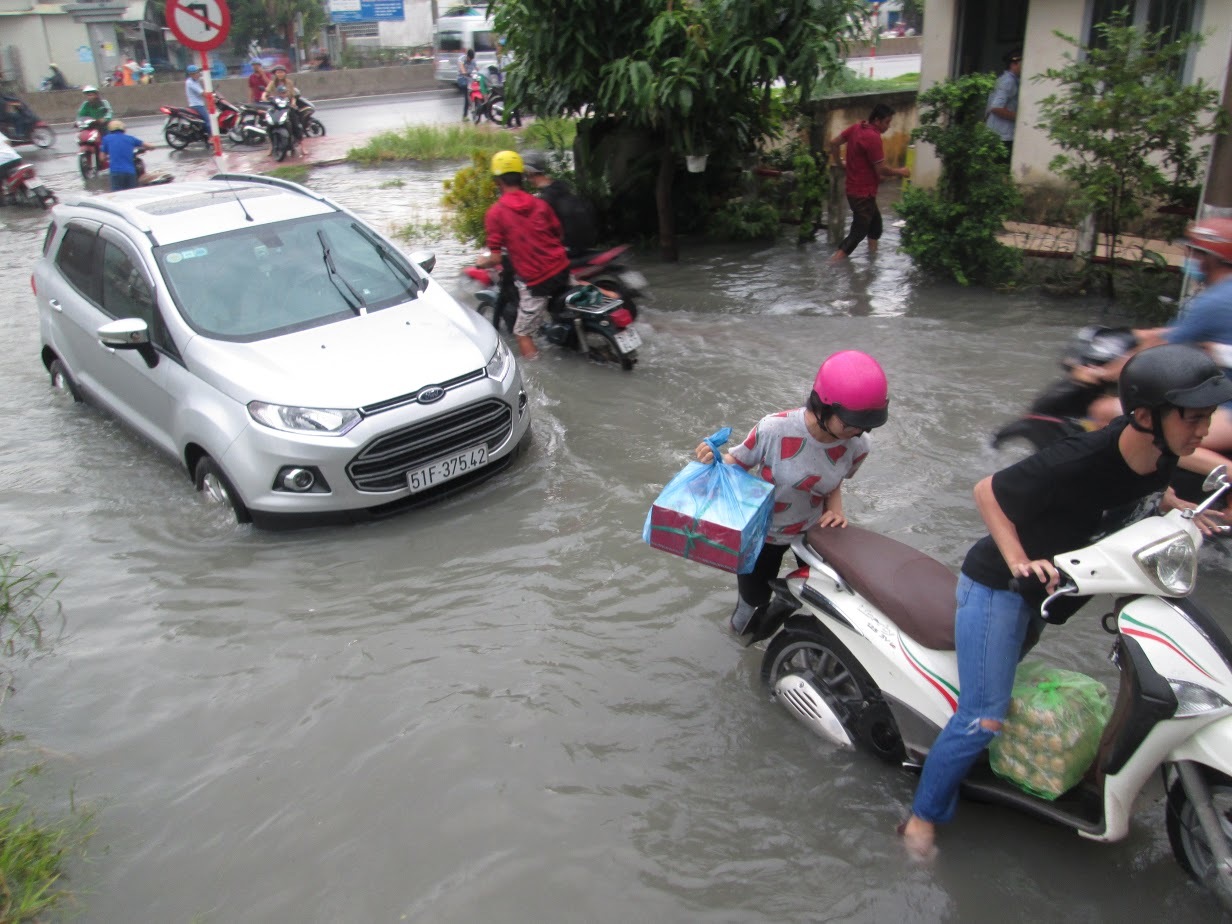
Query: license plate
[[441, 470], [634, 280], [627, 340]]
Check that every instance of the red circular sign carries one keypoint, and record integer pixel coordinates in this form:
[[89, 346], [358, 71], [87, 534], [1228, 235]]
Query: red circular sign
[[201, 25]]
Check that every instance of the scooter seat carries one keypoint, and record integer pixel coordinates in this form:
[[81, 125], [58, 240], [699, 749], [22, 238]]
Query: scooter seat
[[914, 591]]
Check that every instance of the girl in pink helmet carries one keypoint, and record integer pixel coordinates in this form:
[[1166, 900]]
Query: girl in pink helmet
[[806, 454]]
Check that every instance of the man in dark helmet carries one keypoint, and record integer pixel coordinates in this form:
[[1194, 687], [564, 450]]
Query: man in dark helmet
[[1047, 504]]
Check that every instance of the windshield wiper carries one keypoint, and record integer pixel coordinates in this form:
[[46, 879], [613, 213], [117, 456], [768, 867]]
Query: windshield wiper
[[335, 276], [392, 261]]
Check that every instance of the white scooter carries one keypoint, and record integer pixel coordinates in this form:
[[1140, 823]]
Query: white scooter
[[864, 652]]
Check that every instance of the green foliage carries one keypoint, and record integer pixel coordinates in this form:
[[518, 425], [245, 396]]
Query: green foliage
[[295, 173], [430, 142], [745, 220], [809, 196], [1126, 123], [25, 604], [469, 195], [952, 230], [261, 21]]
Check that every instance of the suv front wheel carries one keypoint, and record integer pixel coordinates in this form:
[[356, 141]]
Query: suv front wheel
[[217, 489]]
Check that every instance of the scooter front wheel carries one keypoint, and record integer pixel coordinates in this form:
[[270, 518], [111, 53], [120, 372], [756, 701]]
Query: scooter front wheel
[[87, 165], [1188, 840], [814, 652], [43, 136]]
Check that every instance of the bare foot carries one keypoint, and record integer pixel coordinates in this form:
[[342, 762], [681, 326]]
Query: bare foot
[[919, 838], [838, 257]]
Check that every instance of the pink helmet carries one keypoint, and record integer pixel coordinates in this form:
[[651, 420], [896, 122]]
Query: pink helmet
[[853, 386]]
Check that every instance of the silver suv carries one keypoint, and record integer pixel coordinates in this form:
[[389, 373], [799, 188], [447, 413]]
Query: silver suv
[[289, 356]]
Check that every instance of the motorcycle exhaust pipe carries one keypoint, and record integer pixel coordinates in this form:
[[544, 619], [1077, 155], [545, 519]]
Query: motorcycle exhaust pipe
[[805, 702]]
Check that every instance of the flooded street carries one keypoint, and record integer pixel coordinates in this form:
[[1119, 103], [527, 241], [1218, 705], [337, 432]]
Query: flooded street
[[505, 706]]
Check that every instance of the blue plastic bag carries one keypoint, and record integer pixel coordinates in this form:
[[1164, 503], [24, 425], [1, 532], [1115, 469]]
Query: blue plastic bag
[[716, 514]]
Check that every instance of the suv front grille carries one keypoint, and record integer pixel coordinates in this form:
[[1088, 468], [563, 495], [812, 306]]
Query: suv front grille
[[382, 465]]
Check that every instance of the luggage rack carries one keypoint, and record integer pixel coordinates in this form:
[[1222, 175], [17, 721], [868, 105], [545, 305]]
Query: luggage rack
[[604, 306]]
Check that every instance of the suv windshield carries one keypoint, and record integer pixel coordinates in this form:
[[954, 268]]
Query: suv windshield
[[268, 280]]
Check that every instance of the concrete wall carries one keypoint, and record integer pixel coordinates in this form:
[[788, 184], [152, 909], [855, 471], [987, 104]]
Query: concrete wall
[[135, 101], [831, 116]]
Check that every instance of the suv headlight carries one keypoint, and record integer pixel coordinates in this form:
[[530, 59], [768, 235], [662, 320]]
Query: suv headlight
[[323, 421], [1171, 563], [499, 364]]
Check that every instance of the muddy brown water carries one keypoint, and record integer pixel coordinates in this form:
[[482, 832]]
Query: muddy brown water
[[505, 707]]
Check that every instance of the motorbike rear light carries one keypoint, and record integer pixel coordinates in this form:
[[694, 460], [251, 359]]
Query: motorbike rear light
[[1194, 699], [621, 317], [33, 285], [165, 110]]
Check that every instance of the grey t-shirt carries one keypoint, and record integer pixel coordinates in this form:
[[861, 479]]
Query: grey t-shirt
[[1004, 96]]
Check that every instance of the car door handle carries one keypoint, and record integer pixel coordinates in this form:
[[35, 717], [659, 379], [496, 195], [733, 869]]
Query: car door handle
[[55, 305]]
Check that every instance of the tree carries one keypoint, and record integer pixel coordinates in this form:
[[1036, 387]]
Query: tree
[[695, 75], [1127, 122], [952, 230], [260, 21]]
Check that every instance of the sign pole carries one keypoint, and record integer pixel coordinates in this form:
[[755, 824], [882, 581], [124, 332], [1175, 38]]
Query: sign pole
[[210, 105]]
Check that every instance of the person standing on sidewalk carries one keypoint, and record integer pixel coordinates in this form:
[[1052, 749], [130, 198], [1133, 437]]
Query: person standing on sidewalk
[[1003, 102], [257, 81], [866, 168], [467, 70]]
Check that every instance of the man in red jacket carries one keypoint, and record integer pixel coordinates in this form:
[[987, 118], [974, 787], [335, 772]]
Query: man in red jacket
[[526, 228]]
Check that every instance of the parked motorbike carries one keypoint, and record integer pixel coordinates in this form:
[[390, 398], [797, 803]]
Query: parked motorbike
[[313, 127], [862, 651], [583, 318], [238, 124], [20, 185], [279, 129], [478, 102], [40, 134], [90, 158]]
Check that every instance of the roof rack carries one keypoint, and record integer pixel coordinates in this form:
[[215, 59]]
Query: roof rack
[[128, 215], [268, 181]]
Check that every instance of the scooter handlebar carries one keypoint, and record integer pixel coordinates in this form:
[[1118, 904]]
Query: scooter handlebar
[[1029, 587]]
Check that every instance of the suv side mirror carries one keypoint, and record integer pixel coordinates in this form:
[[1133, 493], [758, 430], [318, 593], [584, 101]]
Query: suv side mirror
[[424, 259], [129, 334]]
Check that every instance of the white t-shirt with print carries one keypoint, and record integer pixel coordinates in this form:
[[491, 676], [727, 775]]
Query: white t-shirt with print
[[802, 469]]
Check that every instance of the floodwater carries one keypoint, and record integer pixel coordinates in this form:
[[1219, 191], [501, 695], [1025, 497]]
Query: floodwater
[[505, 707]]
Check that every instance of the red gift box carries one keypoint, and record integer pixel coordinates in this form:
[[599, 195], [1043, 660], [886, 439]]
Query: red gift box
[[696, 539]]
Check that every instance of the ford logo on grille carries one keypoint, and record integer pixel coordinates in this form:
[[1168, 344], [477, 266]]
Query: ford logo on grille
[[431, 394]]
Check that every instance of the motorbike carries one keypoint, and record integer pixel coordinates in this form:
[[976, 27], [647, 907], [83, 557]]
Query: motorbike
[[603, 269], [90, 158], [313, 127], [1061, 409], [279, 129], [238, 124], [479, 106], [20, 186], [861, 651], [40, 134], [583, 318]]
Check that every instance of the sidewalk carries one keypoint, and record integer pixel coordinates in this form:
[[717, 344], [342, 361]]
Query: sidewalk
[[318, 152], [1050, 241]]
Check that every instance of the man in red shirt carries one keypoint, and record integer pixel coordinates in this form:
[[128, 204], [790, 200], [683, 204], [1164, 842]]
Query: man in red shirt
[[866, 168], [526, 228], [257, 82]]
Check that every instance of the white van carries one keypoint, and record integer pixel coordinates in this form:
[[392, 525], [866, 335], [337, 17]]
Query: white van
[[458, 29]]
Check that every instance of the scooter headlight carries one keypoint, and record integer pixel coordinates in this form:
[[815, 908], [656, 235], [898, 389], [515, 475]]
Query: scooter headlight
[[1194, 699], [1171, 563], [498, 365], [321, 421]]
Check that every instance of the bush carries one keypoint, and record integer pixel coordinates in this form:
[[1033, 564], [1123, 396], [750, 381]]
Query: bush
[[953, 229], [469, 195]]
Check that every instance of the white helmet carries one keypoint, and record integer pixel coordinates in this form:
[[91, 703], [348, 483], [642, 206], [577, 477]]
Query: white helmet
[[89, 89]]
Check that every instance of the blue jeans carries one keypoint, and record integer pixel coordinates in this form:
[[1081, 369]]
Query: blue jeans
[[123, 181], [205, 116], [993, 629]]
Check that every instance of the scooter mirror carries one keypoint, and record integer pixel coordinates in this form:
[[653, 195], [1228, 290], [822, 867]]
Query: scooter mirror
[[1216, 479]]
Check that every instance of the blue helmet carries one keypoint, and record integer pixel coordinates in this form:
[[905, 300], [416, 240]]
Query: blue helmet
[[192, 69]]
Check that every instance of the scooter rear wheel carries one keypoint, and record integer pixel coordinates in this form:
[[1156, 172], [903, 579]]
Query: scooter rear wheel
[[43, 136], [87, 165], [814, 651], [178, 135], [1189, 844]]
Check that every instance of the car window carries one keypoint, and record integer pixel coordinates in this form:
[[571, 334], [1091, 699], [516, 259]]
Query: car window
[[126, 292], [267, 280], [484, 41], [75, 259], [449, 41]]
